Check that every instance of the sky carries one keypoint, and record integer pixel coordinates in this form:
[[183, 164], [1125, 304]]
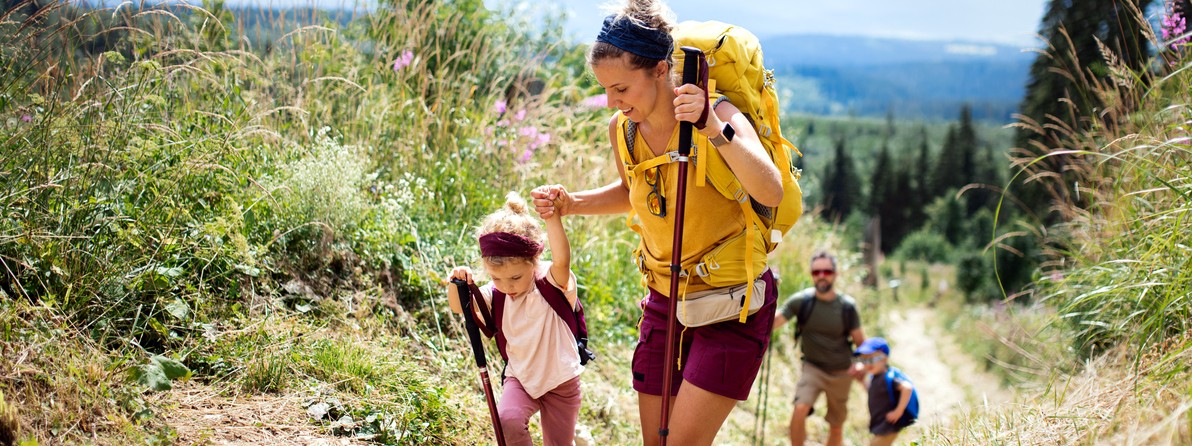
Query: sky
[[1012, 22]]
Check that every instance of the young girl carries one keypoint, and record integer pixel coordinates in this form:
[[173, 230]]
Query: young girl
[[543, 367]]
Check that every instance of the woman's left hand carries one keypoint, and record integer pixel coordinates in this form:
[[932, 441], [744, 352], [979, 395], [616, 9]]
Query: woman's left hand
[[690, 103]]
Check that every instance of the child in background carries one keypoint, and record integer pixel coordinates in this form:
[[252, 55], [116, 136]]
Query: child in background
[[543, 366], [891, 408]]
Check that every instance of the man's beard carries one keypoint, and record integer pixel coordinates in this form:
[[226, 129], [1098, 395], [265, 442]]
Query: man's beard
[[823, 286]]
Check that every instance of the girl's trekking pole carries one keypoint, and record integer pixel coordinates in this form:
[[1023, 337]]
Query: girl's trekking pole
[[692, 61], [465, 302]]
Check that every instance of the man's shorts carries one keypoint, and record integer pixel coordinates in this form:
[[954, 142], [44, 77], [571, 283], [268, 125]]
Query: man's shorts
[[721, 358], [813, 381]]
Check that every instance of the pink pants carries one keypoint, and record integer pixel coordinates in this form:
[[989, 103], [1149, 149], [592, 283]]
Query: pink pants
[[560, 409]]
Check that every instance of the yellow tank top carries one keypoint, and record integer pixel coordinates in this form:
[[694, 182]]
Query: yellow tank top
[[709, 219]]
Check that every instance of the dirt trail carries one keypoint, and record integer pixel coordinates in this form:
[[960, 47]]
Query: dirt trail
[[200, 415], [947, 378]]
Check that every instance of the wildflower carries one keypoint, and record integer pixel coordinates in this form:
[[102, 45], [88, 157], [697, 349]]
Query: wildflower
[[526, 155], [499, 107], [1175, 24], [597, 101], [520, 115], [26, 118], [406, 58]]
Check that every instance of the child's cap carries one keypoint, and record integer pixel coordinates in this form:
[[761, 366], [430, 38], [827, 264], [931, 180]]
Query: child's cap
[[873, 345]]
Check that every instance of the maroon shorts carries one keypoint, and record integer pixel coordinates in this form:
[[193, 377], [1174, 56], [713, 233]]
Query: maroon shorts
[[721, 358]]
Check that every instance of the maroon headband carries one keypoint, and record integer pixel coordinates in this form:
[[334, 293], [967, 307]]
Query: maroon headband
[[505, 244]]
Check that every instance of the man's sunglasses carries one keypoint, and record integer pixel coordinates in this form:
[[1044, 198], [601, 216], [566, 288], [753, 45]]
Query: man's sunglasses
[[822, 272]]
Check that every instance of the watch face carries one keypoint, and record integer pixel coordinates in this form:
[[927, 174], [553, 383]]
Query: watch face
[[728, 132]]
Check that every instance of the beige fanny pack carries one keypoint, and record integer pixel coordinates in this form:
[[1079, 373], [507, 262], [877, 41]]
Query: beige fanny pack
[[719, 304]]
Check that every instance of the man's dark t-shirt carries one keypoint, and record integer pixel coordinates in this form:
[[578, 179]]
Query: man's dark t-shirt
[[824, 344]]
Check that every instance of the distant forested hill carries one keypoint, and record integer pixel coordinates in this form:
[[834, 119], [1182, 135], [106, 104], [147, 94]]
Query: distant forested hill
[[849, 75]]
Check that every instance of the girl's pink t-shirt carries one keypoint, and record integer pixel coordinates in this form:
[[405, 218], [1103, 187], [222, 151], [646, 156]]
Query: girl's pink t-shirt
[[541, 349]]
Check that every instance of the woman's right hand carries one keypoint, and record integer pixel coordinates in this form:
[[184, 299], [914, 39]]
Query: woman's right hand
[[551, 200], [462, 272]]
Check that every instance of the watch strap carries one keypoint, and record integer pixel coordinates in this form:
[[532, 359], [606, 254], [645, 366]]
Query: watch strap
[[725, 136]]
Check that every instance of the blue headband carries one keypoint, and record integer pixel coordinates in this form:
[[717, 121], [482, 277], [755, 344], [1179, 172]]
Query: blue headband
[[630, 36]]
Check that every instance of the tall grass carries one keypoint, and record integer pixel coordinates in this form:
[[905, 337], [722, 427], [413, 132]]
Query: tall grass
[[166, 177], [1119, 271]]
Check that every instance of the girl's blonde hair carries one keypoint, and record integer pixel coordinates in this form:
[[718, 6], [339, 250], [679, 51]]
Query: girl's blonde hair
[[648, 13], [514, 218]]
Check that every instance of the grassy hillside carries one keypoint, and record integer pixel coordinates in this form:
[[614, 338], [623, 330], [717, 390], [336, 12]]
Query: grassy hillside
[[212, 236]]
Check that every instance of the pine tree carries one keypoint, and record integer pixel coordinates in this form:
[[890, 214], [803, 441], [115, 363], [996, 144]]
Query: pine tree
[[922, 189], [966, 146], [948, 175], [841, 191], [879, 180], [890, 197], [903, 197]]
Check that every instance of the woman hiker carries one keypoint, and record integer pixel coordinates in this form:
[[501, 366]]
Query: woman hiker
[[632, 60]]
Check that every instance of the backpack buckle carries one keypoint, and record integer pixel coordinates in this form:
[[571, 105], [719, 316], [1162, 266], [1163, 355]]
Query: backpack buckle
[[740, 195], [703, 269]]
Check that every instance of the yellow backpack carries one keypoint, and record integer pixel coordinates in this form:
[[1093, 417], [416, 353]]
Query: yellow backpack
[[735, 70]]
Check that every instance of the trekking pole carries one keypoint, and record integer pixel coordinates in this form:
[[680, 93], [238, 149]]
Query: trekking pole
[[465, 302], [764, 401], [691, 64]]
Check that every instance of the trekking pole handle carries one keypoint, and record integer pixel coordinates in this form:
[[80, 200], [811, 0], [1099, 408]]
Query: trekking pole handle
[[691, 68], [465, 303]]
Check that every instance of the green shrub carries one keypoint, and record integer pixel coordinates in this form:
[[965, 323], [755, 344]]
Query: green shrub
[[926, 245]]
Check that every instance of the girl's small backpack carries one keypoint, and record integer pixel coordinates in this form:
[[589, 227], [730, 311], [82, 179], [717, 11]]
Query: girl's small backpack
[[574, 318]]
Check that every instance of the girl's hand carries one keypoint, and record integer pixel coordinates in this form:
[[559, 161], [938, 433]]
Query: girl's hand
[[462, 272], [893, 416], [551, 201], [690, 102]]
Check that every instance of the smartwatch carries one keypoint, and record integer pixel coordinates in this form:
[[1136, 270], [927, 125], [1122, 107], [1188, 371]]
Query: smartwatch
[[725, 136]]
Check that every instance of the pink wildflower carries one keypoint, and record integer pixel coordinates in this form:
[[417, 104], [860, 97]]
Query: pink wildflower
[[1175, 25], [406, 58], [520, 115], [27, 118], [499, 107], [597, 101]]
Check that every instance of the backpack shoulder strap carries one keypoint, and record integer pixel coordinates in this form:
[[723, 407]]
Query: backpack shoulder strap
[[498, 314], [848, 314], [626, 131], [890, 374], [894, 374], [805, 308], [558, 302]]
